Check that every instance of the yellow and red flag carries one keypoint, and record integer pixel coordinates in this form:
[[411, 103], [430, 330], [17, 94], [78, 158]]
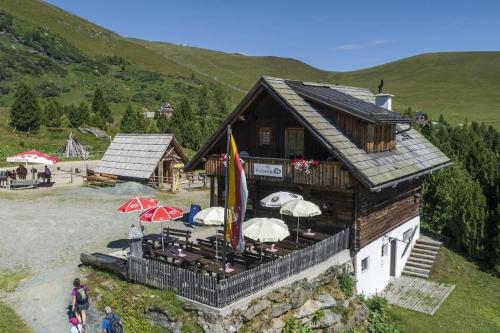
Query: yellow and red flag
[[236, 199]]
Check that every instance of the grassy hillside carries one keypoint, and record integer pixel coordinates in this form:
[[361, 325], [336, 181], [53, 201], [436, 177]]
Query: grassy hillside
[[473, 306], [235, 70], [66, 57], [458, 85]]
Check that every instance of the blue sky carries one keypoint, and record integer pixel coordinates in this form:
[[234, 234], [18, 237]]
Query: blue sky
[[333, 35]]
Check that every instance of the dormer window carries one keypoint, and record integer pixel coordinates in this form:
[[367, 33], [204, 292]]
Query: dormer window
[[265, 136]]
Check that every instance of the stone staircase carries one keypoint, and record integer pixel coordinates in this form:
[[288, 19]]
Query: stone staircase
[[422, 257]]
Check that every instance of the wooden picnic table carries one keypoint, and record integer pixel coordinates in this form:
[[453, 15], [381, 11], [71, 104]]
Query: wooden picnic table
[[157, 238], [313, 235], [186, 256], [277, 251], [216, 267], [212, 238]]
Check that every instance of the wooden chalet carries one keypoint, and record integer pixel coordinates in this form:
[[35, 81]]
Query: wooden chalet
[[154, 159], [369, 171]]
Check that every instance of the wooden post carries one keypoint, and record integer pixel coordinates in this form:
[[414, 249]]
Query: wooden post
[[71, 173], [160, 174], [212, 191]]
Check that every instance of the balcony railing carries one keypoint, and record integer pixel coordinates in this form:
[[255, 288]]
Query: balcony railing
[[326, 174]]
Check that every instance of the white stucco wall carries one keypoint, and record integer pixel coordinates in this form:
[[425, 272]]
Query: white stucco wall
[[374, 279]]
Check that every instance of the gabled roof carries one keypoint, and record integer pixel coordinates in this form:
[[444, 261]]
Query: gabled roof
[[414, 155], [137, 155]]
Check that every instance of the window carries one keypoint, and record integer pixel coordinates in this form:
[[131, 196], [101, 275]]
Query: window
[[265, 136], [385, 249], [364, 264], [294, 142], [407, 235]]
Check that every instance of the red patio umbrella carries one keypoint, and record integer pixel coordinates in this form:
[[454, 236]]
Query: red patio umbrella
[[33, 156], [160, 214], [138, 204]]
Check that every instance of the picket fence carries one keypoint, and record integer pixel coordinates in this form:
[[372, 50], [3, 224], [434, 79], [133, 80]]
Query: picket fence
[[208, 290]]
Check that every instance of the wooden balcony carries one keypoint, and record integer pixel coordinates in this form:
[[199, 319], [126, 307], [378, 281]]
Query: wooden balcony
[[326, 174]]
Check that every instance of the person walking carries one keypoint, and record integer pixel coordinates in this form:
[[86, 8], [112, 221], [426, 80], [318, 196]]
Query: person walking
[[112, 322], [135, 236], [80, 301]]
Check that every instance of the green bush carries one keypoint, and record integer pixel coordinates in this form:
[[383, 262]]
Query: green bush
[[380, 320], [346, 284], [293, 325]]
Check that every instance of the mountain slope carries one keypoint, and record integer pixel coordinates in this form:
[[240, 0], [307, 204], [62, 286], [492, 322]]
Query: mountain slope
[[458, 85], [88, 37], [236, 70]]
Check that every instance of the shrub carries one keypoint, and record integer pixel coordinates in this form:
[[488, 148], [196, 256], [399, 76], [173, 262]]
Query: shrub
[[346, 284], [293, 325]]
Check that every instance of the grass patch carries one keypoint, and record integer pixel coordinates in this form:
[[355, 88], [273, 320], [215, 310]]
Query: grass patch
[[10, 322], [130, 301], [473, 306], [10, 278]]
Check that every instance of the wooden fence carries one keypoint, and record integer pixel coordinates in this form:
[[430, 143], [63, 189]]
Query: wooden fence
[[207, 290]]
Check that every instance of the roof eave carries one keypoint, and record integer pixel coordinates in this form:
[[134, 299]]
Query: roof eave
[[196, 159], [395, 182]]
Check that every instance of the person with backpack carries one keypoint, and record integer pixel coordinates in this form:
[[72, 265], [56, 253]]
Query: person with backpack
[[80, 301], [112, 322]]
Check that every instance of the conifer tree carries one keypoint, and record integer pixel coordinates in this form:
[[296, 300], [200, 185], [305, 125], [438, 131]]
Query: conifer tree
[[128, 122], [53, 113], [101, 107], [25, 110]]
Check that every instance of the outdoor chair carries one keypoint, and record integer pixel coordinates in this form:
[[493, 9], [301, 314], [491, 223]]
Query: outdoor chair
[[205, 242]]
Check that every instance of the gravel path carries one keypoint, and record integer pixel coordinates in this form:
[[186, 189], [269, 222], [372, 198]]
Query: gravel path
[[47, 230]]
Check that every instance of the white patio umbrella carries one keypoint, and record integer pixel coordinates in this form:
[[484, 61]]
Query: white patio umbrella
[[263, 229], [277, 199], [300, 208], [211, 216]]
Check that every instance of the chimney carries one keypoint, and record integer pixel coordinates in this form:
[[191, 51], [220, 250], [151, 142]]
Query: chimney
[[384, 101]]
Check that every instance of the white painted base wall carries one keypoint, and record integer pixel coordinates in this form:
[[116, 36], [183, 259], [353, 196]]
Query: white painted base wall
[[377, 276]]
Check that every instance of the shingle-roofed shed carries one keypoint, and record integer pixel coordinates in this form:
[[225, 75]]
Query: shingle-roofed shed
[[143, 157]]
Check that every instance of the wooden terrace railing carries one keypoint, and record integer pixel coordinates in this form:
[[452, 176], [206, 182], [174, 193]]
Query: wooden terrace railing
[[326, 174], [208, 290]]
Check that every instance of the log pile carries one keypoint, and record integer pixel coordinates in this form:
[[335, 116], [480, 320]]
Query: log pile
[[99, 180], [74, 149]]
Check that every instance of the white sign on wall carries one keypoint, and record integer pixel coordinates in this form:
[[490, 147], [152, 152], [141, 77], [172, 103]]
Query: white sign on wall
[[269, 170]]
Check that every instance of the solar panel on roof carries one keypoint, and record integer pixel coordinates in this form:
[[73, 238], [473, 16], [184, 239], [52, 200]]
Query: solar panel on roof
[[348, 103]]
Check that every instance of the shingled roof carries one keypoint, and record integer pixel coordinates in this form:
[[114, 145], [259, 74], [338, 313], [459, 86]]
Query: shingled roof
[[137, 155], [413, 156]]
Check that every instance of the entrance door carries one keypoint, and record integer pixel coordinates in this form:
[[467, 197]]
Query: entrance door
[[394, 244]]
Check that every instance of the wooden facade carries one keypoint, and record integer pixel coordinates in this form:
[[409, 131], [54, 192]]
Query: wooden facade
[[370, 137], [262, 135], [379, 212]]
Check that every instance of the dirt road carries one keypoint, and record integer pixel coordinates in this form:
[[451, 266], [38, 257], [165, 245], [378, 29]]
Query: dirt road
[[47, 230]]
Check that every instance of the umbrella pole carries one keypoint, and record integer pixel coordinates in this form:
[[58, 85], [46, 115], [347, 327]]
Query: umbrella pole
[[216, 244], [161, 233], [298, 224]]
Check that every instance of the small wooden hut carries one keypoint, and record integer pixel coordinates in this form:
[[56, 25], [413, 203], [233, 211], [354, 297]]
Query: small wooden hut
[[155, 159]]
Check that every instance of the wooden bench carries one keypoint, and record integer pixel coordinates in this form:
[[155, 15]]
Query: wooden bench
[[183, 235], [19, 183]]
